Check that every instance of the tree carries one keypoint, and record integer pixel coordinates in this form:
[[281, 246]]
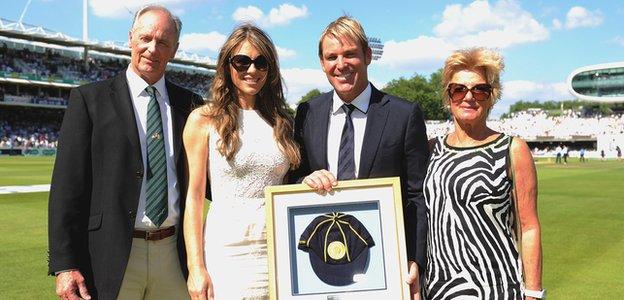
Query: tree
[[311, 94], [427, 92]]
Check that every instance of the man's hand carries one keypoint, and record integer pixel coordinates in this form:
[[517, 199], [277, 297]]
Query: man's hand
[[413, 280], [321, 180], [70, 285]]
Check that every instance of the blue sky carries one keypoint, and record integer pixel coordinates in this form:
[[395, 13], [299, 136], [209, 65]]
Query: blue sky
[[542, 41]]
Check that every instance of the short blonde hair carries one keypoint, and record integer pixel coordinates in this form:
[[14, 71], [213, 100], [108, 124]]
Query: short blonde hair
[[488, 62], [344, 26]]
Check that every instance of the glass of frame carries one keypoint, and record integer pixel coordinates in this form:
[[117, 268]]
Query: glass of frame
[[359, 216]]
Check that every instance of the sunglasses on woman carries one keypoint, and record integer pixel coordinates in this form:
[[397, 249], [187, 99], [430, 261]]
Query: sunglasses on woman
[[242, 62], [458, 91]]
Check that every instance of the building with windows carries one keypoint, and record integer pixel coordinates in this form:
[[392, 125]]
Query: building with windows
[[599, 83]]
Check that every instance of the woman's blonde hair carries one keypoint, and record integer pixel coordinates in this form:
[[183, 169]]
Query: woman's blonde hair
[[488, 62], [223, 106]]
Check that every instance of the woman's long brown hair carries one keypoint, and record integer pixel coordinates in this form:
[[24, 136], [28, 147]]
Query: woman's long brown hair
[[223, 108]]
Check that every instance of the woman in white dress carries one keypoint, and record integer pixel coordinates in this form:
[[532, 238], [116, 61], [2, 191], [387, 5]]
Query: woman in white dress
[[241, 139]]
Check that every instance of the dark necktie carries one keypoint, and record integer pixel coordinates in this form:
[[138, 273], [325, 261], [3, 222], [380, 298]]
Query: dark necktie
[[346, 156], [156, 192]]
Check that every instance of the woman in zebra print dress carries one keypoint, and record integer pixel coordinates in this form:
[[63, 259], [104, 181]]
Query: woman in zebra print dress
[[475, 248]]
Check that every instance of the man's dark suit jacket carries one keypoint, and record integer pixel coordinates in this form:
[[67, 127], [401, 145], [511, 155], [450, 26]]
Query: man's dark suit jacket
[[395, 144], [97, 181]]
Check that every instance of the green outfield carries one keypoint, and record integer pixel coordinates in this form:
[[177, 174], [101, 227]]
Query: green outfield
[[581, 210]]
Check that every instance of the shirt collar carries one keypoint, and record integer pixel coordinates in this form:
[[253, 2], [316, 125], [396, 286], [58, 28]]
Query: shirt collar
[[361, 102], [137, 85]]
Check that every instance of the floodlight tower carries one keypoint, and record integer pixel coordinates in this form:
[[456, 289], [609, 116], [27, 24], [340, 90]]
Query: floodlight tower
[[85, 32], [377, 47], [85, 21], [21, 18]]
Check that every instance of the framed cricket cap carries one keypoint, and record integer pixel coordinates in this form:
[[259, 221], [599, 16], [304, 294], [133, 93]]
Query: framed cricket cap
[[338, 245]]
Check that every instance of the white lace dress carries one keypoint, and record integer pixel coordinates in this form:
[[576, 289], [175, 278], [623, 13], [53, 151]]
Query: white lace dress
[[235, 232]]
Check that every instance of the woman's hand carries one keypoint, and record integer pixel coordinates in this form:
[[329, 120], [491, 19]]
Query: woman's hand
[[199, 285]]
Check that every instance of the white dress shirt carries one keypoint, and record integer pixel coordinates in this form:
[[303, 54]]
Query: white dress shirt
[[337, 120], [140, 100]]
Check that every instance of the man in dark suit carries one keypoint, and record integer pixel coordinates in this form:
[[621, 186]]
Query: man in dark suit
[[118, 186], [357, 131]]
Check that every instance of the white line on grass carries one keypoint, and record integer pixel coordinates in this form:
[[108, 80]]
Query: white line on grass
[[14, 189]]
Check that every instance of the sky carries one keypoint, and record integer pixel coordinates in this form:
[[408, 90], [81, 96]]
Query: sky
[[542, 41]]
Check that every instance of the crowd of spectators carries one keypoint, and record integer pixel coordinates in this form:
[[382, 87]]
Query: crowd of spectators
[[26, 128], [23, 129], [533, 124], [537, 125], [50, 65]]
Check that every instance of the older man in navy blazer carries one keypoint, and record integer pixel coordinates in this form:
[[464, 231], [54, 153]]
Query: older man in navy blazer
[[357, 131], [117, 196]]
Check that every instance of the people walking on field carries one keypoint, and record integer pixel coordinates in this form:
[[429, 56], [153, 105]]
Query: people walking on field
[[582, 155], [602, 155], [619, 152], [558, 153], [565, 153]]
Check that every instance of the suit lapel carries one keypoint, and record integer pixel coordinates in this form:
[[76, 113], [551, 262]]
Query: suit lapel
[[178, 115], [122, 103], [375, 123], [320, 130]]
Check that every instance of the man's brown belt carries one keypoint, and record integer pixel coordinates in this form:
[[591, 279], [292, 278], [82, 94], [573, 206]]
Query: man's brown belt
[[154, 235]]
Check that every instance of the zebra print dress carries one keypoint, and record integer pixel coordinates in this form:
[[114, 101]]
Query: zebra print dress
[[471, 243]]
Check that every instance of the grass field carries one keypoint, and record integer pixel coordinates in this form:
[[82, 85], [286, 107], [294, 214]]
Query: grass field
[[581, 211]]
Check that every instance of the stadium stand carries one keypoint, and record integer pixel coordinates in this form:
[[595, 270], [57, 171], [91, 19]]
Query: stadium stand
[[49, 65], [36, 78], [544, 133], [35, 82], [25, 128]]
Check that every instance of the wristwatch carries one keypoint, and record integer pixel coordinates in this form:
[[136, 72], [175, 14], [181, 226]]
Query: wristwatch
[[536, 294]]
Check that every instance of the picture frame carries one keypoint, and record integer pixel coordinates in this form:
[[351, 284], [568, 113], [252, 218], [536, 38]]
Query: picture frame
[[365, 220]]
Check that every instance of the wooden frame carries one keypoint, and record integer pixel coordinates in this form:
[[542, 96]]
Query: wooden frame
[[375, 202]]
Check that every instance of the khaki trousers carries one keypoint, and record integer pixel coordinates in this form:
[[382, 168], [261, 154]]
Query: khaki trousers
[[153, 271]]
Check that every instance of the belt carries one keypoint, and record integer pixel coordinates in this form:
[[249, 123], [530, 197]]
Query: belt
[[154, 235]]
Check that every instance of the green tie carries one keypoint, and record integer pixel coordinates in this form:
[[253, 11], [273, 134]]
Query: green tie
[[156, 193]]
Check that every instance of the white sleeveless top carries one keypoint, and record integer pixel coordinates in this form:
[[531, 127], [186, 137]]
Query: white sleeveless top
[[235, 230]]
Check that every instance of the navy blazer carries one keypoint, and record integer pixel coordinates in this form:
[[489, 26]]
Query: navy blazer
[[97, 181], [395, 144]]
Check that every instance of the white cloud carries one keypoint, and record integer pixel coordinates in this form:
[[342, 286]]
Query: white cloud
[[285, 53], [247, 14], [422, 52], [286, 12], [202, 41], [579, 16], [525, 90], [299, 82], [282, 15], [455, 21], [500, 25], [557, 24], [127, 8], [530, 91]]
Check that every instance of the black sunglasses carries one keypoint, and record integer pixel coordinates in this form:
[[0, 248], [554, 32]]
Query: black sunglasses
[[458, 91], [242, 62]]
